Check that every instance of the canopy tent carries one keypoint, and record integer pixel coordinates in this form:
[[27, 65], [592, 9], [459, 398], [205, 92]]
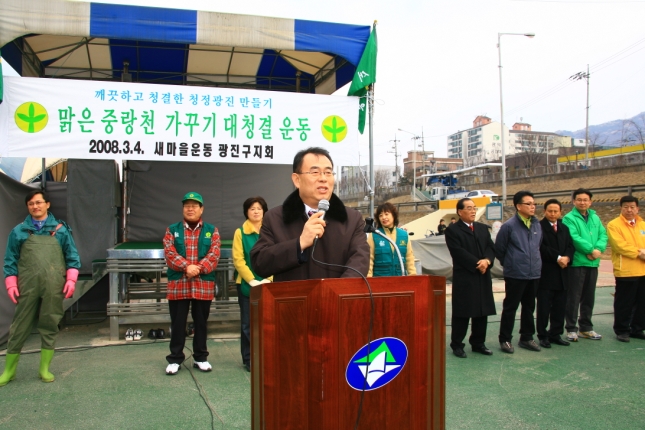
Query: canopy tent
[[26, 170], [100, 42], [61, 39]]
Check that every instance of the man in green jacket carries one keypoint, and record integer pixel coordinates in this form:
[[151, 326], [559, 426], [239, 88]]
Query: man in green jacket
[[40, 268], [589, 240]]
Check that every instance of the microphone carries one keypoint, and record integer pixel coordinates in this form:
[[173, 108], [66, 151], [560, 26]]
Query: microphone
[[323, 206]]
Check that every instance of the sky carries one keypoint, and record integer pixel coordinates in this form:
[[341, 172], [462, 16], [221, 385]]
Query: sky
[[437, 66]]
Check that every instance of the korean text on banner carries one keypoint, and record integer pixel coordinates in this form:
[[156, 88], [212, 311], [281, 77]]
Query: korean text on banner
[[107, 120]]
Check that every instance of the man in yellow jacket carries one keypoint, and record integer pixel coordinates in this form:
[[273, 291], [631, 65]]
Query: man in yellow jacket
[[627, 239]]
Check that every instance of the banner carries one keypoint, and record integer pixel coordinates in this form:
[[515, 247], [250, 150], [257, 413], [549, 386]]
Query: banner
[[119, 120]]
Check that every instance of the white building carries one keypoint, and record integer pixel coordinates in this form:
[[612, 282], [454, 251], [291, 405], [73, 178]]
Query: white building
[[482, 143]]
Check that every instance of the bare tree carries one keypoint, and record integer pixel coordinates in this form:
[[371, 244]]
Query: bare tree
[[382, 178]]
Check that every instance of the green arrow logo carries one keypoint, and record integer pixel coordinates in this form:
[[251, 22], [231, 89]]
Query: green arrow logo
[[31, 117]]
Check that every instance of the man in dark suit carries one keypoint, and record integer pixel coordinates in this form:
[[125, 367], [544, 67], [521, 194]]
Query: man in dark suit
[[557, 252], [289, 232], [473, 254]]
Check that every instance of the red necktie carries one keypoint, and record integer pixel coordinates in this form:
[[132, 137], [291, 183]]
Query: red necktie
[[472, 227], [555, 227], [632, 223]]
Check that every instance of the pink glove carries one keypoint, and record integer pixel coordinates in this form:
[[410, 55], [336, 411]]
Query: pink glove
[[11, 282], [70, 285]]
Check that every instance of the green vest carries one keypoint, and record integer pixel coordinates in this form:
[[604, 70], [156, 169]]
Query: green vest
[[386, 262], [248, 240], [205, 238]]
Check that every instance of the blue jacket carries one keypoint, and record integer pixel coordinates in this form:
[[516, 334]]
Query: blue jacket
[[518, 248], [20, 233]]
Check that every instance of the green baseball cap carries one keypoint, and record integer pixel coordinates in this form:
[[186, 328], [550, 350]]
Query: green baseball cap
[[193, 196]]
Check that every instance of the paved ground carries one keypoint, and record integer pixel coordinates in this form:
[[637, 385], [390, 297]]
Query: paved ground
[[102, 385]]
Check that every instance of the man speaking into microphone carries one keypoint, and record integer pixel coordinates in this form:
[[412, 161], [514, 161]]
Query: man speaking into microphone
[[289, 231]]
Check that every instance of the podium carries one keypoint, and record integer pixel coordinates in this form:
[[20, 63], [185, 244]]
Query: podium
[[308, 344]]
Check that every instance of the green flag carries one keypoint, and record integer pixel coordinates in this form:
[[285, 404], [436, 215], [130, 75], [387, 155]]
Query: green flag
[[364, 76], [1, 86]]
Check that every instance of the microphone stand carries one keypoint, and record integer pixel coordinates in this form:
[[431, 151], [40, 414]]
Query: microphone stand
[[369, 228]]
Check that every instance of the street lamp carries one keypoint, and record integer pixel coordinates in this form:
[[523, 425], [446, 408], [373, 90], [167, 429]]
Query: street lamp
[[501, 106], [414, 158]]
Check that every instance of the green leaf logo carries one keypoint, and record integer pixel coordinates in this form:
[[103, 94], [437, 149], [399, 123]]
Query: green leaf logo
[[31, 117], [334, 128]]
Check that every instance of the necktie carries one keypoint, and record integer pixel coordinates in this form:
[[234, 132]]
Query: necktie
[[555, 227], [632, 223], [472, 227], [310, 213]]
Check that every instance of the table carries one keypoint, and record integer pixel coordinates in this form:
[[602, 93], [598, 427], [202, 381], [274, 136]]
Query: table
[[147, 259]]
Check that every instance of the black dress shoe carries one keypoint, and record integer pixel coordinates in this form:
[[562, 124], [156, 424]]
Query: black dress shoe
[[637, 334], [530, 345], [560, 341], [544, 343], [459, 352], [482, 350], [247, 367]]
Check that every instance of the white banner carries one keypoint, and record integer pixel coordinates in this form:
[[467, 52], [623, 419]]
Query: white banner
[[116, 120]]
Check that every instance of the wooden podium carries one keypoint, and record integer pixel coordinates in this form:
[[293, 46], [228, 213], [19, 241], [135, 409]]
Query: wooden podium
[[305, 333]]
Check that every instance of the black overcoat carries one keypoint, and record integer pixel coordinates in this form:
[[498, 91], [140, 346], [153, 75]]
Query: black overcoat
[[553, 245], [344, 243], [472, 292]]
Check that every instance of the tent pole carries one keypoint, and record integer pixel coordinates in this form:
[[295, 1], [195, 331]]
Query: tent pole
[[43, 177], [124, 204]]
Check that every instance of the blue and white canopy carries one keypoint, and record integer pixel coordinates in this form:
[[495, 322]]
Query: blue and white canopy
[[77, 40]]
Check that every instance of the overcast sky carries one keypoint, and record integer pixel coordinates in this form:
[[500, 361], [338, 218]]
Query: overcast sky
[[437, 62]]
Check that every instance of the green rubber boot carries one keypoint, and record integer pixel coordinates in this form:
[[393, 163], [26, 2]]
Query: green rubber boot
[[9, 369], [46, 356]]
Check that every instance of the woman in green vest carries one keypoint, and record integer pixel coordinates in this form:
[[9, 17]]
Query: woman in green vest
[[243, 240], [384, 260]]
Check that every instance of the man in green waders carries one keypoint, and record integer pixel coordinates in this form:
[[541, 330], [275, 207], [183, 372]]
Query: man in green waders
[[40, 268]]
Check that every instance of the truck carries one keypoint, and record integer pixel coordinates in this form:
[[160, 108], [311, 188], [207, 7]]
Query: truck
[[447, 193]]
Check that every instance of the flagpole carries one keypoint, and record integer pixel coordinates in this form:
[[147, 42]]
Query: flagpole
[[370, 105]]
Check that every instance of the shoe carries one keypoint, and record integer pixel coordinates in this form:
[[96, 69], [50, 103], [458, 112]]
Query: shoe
[[590, 335], [507, 347], [161, 334], [482, 350], [637, 334], [459, 353], [572, 336], [247, 367], [10, 366], [172, 369], [138, 334], [530, 345], [129, 335], [544, 343], [204, 366], [152, 334], [623, 337], [559, 341]]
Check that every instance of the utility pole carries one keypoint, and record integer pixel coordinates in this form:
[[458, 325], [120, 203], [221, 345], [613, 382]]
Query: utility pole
[[396, 161], [578, 77], [423, 159]]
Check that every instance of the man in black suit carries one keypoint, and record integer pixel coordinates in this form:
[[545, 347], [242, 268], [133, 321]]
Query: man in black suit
[[473, 254], [557, 252]]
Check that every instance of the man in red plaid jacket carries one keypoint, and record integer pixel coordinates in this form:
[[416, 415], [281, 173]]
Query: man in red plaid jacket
[[192, 250]]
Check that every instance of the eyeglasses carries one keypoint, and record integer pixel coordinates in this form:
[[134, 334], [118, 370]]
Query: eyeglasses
[[318, 173], [470, 208], [192, 206], [528, 204], [36, 203]]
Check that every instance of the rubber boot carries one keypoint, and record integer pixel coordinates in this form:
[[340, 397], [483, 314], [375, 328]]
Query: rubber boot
[[9, 369], [46, 356]]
